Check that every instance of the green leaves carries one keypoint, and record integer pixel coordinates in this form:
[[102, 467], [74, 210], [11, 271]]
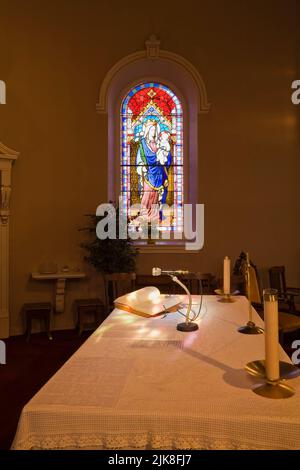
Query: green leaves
[[108, 256]]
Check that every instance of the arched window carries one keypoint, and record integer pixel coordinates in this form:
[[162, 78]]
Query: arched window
[[152, 156], [171, 113]]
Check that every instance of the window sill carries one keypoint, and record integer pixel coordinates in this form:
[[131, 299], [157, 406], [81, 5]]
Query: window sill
[[163, 248]]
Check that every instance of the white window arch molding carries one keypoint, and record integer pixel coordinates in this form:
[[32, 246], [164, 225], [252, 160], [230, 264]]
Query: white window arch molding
[[155, 65]]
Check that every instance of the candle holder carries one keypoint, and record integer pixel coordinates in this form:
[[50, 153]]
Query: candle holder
[[274, 389], [270, 369], [286, 370], [225, 298], [250, 328]]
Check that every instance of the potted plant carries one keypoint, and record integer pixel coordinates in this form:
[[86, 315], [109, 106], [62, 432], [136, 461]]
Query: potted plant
[[109, 255]]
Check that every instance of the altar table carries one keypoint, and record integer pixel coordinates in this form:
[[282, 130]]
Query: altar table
[[138, 383]]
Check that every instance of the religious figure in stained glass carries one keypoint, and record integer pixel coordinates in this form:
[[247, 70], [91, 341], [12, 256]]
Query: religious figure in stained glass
[[151, 161]]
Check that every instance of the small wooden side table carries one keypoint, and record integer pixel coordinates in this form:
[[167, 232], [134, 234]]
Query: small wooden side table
[[41, 310], [86, 308]]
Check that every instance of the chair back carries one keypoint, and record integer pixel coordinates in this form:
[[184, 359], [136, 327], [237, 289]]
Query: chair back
[[277, 279], [205, 281], [164, 283], [118, 284], [190, 281], [287, 321], [198, 283]]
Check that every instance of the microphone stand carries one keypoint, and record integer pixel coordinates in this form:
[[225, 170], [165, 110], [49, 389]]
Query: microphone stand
[[187, 325]]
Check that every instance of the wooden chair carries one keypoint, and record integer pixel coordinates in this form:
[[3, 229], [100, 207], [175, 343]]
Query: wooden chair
[[40, 311], [207, 282], [85, 310], [163, 283], [117, 284], [287, 321], [198, 283], [285, 294]]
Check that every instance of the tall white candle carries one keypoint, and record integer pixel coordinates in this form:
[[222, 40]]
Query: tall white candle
[[271, 334], [226, 275]]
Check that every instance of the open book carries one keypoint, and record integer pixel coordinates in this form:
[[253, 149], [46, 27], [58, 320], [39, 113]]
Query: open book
[[148, 302]]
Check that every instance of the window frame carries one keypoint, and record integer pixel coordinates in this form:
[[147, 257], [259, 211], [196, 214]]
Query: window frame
[[190, 89], [184, 143]]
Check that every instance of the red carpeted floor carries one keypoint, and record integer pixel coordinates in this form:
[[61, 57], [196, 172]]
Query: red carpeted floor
[[28, 367]]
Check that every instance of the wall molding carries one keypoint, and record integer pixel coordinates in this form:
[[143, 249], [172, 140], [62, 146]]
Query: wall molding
[[7, 157], [152, 53]]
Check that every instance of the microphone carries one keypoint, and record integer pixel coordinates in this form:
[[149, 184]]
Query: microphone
[[158, 272], [188, 325]]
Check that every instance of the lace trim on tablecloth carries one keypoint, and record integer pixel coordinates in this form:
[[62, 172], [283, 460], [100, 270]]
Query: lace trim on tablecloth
[[133, 441]]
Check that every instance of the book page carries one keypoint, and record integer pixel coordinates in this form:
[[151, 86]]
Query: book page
[[147, 301]]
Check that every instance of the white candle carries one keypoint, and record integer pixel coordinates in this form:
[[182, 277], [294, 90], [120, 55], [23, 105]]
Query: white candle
[[271, 334], [226, 275]]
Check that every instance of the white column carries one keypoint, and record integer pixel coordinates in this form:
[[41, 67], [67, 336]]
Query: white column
[[60, 295], [7, 156]]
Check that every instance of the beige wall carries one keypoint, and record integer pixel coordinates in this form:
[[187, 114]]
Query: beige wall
[[53, 57]]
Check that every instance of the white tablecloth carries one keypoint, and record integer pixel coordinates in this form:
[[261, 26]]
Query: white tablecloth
[[138, 383]]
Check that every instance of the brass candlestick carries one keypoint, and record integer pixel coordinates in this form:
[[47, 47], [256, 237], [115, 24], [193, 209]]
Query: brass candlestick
[[274, 389], [286, 370], [271, 369], [250, 328]]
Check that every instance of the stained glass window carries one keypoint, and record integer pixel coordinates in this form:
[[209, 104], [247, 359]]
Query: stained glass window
[[152, 155]]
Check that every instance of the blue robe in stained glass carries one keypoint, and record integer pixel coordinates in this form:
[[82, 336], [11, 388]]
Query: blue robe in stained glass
[[155, 174]]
